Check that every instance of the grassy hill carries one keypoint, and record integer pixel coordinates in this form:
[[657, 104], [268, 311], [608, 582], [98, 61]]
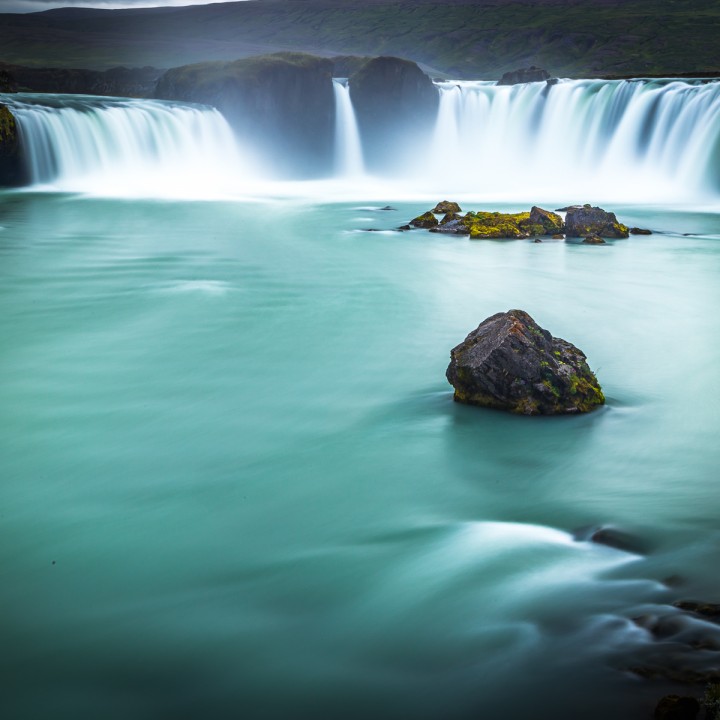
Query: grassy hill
[[482, 39]]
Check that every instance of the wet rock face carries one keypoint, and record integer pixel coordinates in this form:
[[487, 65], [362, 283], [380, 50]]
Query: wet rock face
[[510, 363], [11, 166], [282, 104], [585, 220], [396, 106], [524, 75]]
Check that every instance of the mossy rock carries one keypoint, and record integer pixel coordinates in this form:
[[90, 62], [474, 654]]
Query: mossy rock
[[510, 363], [496, 225], [426, 220], [446, 206], [585, 220]]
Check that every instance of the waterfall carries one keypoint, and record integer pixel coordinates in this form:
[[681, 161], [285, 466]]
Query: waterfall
[[650, 141], [348, 147], [79, 143], [630, 140]]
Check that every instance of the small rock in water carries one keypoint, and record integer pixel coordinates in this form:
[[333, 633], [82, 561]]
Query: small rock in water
[[405, 227], [510, 363], [593, 240], [709, 611], [639, 231], [388, 207], [524, 75], [618, 539], [581, 221], [426, 220], [446, 206], [675, 707], [558, 236], [537, 240]]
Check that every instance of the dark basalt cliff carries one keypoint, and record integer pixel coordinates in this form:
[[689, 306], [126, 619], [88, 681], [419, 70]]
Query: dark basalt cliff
[[118, 82], [281, 104], [11, 166], [396, 105]]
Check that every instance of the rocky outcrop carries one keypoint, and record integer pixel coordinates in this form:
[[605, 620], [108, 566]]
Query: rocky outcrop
[[282, 104], [426, 220], [446, 206], [545, 222], [510, 363], [118, 82], [585, 220], [11, 166], [593, 240], [524, 75], [483, 225], [396, 106]]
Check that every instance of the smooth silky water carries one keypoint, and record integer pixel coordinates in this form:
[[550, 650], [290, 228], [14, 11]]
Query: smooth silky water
[[235, 483]]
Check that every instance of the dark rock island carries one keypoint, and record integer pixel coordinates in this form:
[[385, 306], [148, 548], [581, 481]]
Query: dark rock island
[[585, 220], [510, 363]]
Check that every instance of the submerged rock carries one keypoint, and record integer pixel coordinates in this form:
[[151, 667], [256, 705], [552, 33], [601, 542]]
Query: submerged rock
[[585, 220], [675, 707], [510, 363], [444, 207], [639, 231], [524, 75], [593, 240], [709, 611]]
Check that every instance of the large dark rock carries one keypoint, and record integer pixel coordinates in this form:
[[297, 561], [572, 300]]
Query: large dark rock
[[282, 104], [11, 165], [585, 220], [446, 206], [119, 81], [510, 363], [524, 75], [550, 222], [396, 106]]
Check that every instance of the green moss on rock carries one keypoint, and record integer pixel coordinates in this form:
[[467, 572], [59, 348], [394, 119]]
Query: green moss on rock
[[511, 363]]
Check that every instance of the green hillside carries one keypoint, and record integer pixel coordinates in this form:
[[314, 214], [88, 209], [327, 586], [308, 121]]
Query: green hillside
[[460, 39]]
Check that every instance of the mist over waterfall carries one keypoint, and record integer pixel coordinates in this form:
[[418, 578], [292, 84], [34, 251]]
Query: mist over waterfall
[[577, 140]]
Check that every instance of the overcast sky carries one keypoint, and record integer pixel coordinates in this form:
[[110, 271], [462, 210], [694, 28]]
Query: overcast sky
[[37, 5]]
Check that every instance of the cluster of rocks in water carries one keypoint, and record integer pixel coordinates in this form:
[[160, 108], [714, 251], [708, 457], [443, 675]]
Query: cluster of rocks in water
[[581, 221]]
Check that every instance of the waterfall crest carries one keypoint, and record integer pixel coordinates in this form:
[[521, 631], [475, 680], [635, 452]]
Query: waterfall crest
[[594, 138], [649, 141], [90, 144]]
